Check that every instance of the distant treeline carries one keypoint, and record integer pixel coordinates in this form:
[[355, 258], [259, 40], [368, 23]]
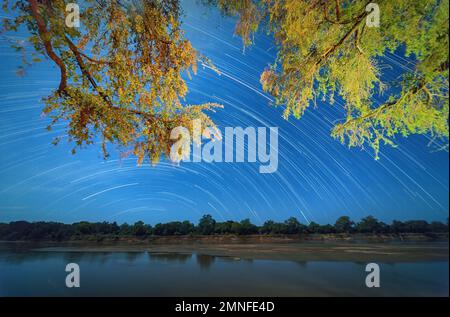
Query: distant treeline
[[23, 230]]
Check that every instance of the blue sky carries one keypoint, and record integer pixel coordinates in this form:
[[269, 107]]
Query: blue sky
[[318, 179]]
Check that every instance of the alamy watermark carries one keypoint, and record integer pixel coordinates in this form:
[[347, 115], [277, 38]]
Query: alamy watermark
[[373, 278], [73, 278], [236, 145], [73, 15], [373, 17]]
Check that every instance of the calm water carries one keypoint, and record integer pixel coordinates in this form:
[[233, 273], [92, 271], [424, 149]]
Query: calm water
[[39, 273]]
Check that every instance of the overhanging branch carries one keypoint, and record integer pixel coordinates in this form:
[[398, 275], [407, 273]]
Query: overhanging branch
[[44, 35]]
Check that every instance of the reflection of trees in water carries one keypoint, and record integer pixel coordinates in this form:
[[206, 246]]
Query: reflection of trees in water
[[24, 256], [360, 263], [29, 255], [205, 261], [88, 257], [132, 256], [302, 264], [170, 257], [18, 257]]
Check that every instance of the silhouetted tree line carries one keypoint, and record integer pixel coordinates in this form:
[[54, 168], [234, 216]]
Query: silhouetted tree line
[[23, 230]]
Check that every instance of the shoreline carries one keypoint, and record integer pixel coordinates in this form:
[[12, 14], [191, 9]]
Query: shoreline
[[253, 238], [287, 248]]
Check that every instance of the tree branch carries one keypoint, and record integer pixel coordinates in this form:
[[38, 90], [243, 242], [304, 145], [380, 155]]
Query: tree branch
[[338, 12], [414, 90], [375, 112], [93, 60], [331, 50], [78, 56], [44, 35]]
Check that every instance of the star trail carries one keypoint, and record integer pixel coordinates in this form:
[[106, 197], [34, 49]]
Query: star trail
[[318, 178]]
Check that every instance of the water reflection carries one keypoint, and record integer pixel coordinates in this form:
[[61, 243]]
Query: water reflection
[[205, 261], [302, 264], [132, 256], [42, 273], [170, 257]]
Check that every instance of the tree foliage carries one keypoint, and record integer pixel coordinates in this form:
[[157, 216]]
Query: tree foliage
[[325, 49], [344, 225], [206, 225], [23, 230], [120, 72]]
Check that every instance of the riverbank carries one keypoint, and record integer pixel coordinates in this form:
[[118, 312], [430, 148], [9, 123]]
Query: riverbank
[[373, 248], [254, 238]]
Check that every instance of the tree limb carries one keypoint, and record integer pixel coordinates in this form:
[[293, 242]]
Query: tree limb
[[44, 35], [338, 12], [414, 90], [331, 50], [78, 56]]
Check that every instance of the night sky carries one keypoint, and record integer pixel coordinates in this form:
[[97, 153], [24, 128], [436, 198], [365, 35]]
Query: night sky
[[318, 178]]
